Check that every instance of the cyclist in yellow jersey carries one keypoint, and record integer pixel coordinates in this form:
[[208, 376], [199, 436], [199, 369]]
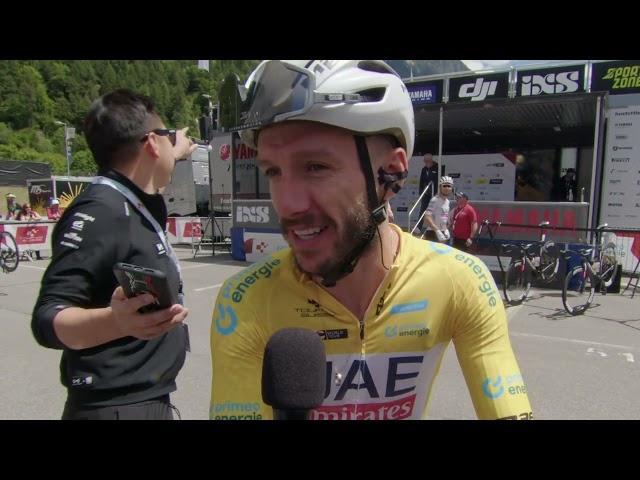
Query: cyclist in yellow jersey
[[333, 139]]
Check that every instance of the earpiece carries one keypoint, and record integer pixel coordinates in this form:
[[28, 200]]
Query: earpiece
[[390, 180]]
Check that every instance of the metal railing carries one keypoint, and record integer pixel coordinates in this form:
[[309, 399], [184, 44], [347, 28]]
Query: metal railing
[[430, 186]]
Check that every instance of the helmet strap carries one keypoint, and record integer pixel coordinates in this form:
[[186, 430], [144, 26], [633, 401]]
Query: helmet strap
[[378, 215]]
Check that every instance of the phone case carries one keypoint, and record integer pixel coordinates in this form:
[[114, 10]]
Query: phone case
[[136, 280]]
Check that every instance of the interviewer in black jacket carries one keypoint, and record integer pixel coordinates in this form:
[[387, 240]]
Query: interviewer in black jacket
[[116, 363], [428, 176]]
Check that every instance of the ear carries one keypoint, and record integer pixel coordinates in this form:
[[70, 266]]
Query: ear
[[151, 146], [395, 162]]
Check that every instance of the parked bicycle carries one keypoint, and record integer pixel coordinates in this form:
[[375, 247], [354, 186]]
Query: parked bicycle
[[597, 271], [538, 260], [9, 254]]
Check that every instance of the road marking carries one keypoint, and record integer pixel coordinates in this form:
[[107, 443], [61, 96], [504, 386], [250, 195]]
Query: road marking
[[628, 356], [32, 266], [207, 288], [593, 350], [197, 266], [511, 312], [572, 340]]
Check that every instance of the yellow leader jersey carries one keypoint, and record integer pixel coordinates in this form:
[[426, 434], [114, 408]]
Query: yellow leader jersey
[[384, 367]]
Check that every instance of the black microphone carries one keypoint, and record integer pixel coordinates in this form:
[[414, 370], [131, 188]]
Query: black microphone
[[294, 373]]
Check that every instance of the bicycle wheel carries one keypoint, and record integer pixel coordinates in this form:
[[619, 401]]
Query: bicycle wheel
[[608, 264], [9, 254], [518, 282], [578, 291]]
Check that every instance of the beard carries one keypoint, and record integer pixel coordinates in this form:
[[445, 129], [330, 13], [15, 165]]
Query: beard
[[358, 228]]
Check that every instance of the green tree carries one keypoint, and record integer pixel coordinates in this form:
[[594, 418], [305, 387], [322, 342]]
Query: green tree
[[24, 99]]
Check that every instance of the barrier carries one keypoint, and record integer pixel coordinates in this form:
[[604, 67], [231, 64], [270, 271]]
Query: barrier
[[627, 241], [184, 229], [30, 235]]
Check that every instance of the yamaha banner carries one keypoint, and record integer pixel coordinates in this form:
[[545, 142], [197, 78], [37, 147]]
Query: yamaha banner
[[550, 81], [479, 88], [616, 78], [426, 93]]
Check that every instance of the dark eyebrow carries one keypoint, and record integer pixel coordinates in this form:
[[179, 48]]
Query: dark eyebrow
[[303, 155], [262, 162]]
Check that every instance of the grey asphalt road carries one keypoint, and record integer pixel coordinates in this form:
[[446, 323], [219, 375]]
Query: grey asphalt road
[[584, 367]]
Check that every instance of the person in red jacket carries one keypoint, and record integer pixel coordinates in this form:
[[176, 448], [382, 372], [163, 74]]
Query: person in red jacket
[[464, 223]]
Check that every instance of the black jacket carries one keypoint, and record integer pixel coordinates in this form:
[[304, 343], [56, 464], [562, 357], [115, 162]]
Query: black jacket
[[100, 228], [427, 176]]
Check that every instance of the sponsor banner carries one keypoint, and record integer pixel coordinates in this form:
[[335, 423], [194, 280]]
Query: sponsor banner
[[568, 215], [255, 214], [221, 175], [479, 88], [620, 200], [31, 235], [184, 229], [245, 169], [425, 93], [259, 244], [627, 249], [616, 77], [482, 177], [550, 81]]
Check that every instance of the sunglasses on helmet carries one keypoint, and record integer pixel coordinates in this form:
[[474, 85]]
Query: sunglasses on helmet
[[276, 91]]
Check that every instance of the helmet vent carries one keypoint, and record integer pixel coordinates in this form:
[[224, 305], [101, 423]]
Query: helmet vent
[[375, 66], [372, 94]]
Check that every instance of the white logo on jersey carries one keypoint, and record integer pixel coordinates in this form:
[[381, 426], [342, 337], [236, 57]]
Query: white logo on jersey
[[84, 216], [73, 236], [78, 225]]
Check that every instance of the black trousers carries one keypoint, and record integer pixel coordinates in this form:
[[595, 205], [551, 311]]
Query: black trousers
[[460, 244], [156, 409], [431, 236]]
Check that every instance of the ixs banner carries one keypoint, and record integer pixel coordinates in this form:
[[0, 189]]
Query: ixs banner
[[550, 81], [617, 78], [258, 214]]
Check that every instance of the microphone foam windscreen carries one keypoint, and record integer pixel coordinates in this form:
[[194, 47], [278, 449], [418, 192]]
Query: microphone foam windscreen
[[294, 370]]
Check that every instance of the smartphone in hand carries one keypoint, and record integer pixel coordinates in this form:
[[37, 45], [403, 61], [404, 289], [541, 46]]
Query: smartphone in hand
[[136, 280]]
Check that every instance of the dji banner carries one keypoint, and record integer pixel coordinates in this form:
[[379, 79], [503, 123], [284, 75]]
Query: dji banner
[[479, 88]]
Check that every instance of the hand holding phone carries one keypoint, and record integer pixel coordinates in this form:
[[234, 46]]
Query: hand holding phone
[[130, 323], [136, 280]]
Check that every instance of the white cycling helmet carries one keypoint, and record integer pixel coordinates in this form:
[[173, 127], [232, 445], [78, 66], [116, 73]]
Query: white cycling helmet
[[445, 180], [363, 96]]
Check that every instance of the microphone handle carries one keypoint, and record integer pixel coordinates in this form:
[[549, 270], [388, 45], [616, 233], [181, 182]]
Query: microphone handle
[[291, 414]]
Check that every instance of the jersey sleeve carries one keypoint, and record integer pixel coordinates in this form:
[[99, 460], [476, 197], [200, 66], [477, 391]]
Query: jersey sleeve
[[237, 346], [85, 245], [481, 339], [432, 206]]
